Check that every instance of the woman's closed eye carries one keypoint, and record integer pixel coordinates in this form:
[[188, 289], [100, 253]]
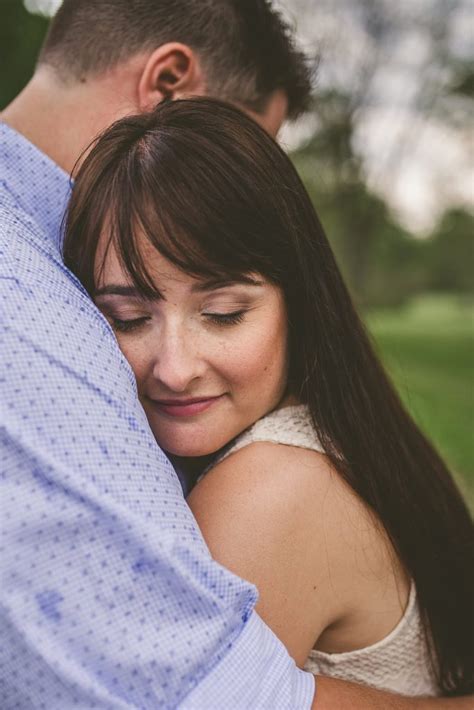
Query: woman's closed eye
[[129, 324], [223, 319]]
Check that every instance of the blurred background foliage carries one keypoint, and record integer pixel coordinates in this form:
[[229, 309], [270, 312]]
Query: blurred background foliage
[[393, 96]]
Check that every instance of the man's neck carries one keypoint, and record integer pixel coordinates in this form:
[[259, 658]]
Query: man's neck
[[62, 120]]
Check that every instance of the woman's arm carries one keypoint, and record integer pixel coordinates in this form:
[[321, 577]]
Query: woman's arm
[[281, 518], [265, 522], [333, 694]]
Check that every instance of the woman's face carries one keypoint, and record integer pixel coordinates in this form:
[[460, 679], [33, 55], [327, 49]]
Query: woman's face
[[209, 358]]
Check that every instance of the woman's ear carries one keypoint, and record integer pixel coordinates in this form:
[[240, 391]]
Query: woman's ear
[[171, 71]]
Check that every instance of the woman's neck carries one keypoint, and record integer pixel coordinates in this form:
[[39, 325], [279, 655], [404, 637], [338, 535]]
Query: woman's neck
[[189, 468]]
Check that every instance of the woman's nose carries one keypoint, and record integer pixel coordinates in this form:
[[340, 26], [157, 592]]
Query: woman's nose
[[177, 363]]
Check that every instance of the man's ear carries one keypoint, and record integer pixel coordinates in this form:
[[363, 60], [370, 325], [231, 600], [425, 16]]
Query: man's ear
[[171, 71]]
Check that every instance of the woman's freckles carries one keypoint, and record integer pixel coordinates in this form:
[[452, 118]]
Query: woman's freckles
[[209, 361]]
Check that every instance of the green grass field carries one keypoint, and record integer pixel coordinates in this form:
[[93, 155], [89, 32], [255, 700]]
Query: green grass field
[[428, 348]]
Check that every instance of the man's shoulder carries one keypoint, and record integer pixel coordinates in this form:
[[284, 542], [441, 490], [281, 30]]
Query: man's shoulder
[[37, 290], [12, 216], [17, 238], [29, 257], [19, 234]]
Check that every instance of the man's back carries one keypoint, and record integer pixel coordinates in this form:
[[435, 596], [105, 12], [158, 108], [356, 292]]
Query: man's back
[[109, 596]]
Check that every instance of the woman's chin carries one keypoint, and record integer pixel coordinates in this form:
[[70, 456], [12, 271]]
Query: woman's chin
[[191, 452], [188, 449]]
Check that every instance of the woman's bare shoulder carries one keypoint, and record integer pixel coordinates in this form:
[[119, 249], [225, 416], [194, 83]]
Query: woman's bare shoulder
[[267, 469], [283, 518], [297, 483]]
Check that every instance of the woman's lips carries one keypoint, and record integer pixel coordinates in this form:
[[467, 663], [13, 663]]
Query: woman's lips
[[185, 407]]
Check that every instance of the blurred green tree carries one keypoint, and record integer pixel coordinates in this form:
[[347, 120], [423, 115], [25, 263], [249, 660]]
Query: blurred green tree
[[383, 263], [21, 35], [450, 253], [380, 260]]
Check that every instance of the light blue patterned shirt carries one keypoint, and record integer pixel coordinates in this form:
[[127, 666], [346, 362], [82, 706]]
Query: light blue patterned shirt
[[109, 597]]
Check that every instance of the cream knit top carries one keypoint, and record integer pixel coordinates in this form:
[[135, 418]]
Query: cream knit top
[[400, 661]]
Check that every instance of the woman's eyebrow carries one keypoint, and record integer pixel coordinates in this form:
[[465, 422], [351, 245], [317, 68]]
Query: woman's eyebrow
[[121, 290], [217, 283], [208, 285]]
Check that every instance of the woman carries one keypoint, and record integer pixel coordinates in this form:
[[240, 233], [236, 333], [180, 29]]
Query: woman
[[193, 233]]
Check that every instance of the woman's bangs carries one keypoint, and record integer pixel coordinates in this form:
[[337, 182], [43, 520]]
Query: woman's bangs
[[190, 239]]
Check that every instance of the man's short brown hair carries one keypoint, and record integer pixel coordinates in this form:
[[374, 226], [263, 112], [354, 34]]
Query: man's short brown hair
[[245, 47]]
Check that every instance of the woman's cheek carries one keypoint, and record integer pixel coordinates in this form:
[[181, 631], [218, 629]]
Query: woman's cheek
[[138, 355], [257, 359]]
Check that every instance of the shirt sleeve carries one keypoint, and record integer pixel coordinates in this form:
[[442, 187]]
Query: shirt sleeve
[[109, 597], [259, 657]]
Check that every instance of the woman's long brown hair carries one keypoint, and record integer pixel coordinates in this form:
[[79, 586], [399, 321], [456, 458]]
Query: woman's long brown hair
[[216, 196]]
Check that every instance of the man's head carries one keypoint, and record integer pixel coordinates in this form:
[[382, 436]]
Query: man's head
[[238, 50]]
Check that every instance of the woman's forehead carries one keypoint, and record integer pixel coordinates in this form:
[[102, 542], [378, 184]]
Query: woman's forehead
[[110, 268]]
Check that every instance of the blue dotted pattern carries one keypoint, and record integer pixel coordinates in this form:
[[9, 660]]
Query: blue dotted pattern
[[109, 598]]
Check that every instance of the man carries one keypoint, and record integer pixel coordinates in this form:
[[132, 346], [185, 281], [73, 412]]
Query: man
[[103, 60], [109, 596]]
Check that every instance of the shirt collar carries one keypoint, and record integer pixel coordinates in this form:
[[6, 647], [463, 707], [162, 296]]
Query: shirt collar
[[39, 186]]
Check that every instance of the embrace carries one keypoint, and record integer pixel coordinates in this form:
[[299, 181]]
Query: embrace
[[187, 318]]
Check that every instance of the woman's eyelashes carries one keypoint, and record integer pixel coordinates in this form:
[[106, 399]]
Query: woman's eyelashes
[[128, 325], [222, 319]]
